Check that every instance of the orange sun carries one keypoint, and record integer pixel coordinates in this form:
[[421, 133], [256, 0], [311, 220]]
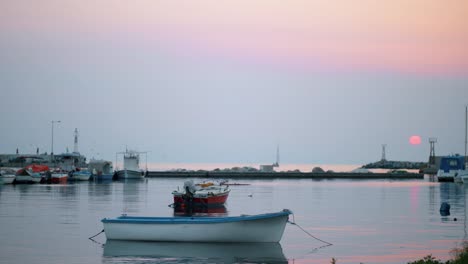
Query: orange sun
[[415, 140]]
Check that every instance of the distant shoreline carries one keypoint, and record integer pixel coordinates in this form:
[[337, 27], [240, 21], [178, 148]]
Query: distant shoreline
[[281, 175]]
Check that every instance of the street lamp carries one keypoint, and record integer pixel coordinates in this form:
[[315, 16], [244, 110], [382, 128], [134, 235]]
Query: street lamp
[[52, 147]]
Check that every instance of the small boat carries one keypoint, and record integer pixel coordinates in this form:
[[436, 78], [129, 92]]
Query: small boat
[[206, 252], [80, 175], [200, 195], [102, 170], [59, 177], [245, 228], [7, 175], [31, 174], [131, 166]]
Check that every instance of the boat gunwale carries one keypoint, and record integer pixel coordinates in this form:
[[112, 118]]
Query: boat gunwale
[[192, 220]]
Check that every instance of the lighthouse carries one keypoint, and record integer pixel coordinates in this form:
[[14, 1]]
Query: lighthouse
[[75, 147]]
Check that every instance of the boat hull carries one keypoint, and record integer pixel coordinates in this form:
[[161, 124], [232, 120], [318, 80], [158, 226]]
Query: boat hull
[[129, 174], [103, 177], [220, 210], [19, 179], [8, 179], [79, 176], [463, 176], [215, 252], [259, 228], [446, 176], [207, 202], [59, 178]]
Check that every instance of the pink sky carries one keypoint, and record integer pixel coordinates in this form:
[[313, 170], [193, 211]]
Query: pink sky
[[415, 36]]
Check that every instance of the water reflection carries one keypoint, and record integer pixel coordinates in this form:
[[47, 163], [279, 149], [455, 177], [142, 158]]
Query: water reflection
[[454, 195], [201, 211], [115, 250], [131, 189], [98, 190]]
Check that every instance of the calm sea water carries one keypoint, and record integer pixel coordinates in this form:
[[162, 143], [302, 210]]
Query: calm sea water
[[369, 221]]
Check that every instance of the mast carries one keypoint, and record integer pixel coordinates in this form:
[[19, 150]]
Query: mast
[[466, 132], [277, 155]]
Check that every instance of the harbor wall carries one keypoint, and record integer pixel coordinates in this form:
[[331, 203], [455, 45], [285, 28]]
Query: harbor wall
[[282, 175]]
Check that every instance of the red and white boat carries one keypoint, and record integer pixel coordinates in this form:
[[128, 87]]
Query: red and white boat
[[206, 195], [59, 177], [31, 174]]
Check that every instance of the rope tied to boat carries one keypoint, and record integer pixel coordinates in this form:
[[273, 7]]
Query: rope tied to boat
[[91, 238], [305, 231]]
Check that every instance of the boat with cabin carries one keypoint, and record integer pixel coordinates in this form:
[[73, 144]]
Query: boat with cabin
[[450, 167], [101, 170], [131, 166], [32, 174], [205, 195], [267, 227]]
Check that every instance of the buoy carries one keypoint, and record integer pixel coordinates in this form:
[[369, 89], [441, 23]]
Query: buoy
[[444, 209]]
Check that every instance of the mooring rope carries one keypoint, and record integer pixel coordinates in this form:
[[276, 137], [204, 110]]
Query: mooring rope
[[102, 231], [305, 231]]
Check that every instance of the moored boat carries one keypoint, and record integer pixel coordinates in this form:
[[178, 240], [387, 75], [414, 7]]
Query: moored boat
[[245, 228], [129, 174], [7, 175], [200, 195], [59, 177], [31, 174], [102, 170], [450, 168], [80, 175], [131, 166]]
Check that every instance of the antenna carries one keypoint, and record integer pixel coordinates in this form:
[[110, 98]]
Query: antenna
[[75, 147]]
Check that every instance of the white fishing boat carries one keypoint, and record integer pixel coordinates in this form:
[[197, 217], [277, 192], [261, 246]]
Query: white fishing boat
[[131, 166], [7, 175], [80, 175], [215, 252], [245, 228]]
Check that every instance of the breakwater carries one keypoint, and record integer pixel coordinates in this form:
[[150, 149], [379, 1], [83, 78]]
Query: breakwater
[[281, 175]]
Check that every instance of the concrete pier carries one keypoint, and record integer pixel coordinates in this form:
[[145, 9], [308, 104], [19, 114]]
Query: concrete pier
[[282, 175]]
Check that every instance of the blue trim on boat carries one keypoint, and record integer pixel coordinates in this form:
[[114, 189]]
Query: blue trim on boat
[[192, 220]]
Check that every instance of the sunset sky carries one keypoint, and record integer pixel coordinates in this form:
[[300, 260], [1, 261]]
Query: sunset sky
[[226, 81]]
